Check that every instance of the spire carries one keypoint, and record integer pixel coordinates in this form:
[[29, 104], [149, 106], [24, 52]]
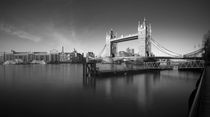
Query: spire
[[150, 27], [144, 23], [75, 50], [112, 34], [139, 25], [107, 36], [62, 49]]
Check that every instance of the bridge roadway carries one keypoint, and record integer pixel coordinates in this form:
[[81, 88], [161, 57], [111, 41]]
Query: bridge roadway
[[158, 57], [151, 58], [124, 38]]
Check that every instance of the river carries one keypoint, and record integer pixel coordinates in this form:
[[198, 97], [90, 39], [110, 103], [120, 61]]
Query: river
[[60, 90]]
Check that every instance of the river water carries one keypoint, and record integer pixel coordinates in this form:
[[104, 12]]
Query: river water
[[61, 90]]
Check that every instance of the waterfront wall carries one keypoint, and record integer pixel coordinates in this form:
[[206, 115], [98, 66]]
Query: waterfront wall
[[29, 57]]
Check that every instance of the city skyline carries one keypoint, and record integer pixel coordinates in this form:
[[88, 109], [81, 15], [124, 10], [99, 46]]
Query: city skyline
[[43, 25]]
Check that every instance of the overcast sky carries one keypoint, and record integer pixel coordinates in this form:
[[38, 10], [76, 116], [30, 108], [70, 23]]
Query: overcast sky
[[43, 25]]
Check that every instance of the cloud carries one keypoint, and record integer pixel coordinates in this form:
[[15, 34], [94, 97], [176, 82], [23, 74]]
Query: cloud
[[20, 33]]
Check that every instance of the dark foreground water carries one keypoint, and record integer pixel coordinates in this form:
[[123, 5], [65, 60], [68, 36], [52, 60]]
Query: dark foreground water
[[60, 90]]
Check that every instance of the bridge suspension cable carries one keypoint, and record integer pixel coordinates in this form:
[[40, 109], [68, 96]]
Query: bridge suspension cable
[[195, 52], [163, 49], [160, 49], [102, 51]]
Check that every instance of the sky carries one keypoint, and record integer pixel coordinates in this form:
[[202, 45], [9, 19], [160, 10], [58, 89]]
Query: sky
[[43, 25]]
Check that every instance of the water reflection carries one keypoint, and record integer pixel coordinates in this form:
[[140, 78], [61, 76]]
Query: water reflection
[[123, 85], [129, 79], [150, 90], [89, 82], [61, 90]]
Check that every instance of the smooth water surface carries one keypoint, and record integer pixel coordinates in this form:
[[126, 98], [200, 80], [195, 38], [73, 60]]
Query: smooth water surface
[[60, 90]]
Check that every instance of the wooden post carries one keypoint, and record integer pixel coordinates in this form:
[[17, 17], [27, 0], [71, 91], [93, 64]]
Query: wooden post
[[93, 67], [89, 67], [84, 67], [4, 57]]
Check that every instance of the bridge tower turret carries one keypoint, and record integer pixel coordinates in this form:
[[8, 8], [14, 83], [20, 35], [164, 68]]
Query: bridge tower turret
[[144, 36], [108, 45], [111, 47]]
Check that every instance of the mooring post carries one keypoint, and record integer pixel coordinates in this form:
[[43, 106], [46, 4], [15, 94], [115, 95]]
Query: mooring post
[[4, 57], [92, 68], [89, 67], [89, 74], [84, 67]]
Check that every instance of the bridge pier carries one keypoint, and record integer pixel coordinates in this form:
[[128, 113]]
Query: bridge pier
[[90, 69]]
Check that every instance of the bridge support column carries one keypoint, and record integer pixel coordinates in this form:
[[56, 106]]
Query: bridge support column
[[108, 46], [144, 35], [111, 48]]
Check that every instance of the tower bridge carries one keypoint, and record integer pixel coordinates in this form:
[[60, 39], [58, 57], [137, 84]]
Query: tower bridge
[[189, 61], [143, 36], [145, 41], [146, 58]]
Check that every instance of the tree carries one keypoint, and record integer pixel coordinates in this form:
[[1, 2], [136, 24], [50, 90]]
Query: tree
[[206, 45]]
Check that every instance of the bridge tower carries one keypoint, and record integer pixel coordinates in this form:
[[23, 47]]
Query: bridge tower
[[144, 36], [111, 47]]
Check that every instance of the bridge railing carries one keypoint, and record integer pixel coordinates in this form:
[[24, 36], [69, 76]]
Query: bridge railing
[[157, 65], [192, 64]]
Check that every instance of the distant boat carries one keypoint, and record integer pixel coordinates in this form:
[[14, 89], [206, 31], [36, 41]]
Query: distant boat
[[13, 62], [175, 67], [9, 62], [18, 61], [38, 62]]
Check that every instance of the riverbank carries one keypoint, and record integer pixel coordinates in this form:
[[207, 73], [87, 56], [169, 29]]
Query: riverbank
[[42, 63]]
